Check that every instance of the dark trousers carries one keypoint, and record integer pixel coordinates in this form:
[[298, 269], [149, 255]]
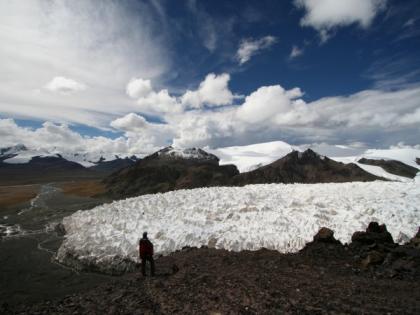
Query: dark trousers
[[143, 265]]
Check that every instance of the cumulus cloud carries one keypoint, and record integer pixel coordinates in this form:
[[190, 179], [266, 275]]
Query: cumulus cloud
[[273, 113], [295, 52], [250, 47], [137, 88], [265, 103], [130, 122], [213, 91], [325, 15], [64, 85]]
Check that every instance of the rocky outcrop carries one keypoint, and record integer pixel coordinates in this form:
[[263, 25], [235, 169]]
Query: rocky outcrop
[[393, 167], [375, 250], [325, 235], [375, 234]]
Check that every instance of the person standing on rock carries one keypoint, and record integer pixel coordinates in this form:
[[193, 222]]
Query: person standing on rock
[[146, 254]]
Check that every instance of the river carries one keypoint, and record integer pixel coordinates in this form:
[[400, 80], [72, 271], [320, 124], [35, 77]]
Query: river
[[28, 242]]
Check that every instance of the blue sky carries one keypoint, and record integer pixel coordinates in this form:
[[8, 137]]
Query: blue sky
[[143, 74], [344, 64]]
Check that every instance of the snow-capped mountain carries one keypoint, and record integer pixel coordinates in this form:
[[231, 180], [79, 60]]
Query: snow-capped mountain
[[20, 154], [21, 165], [169, 169], [251, 157], [163, 171], [187, 154], [304, 167]]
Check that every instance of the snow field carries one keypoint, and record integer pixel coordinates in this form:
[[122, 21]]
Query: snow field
[[275, 216]]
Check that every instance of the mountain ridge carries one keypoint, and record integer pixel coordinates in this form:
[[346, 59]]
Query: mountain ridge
[[155, 174]]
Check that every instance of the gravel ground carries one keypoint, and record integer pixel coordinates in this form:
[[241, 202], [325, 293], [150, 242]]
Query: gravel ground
[[324, 278]]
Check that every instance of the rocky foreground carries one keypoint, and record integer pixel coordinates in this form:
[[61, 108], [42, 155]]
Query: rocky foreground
[[372, 275]]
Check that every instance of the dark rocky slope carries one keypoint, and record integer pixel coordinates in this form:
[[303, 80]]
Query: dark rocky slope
[[372, 275], [164, 171], [393, 167], [109, 167], [305, 167]]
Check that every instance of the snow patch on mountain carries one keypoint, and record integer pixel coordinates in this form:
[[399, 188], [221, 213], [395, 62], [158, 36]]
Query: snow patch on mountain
[[406, 155], [250, 157], [275, 216]]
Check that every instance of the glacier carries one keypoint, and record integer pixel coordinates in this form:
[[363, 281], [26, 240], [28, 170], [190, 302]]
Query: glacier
[[282, 217]]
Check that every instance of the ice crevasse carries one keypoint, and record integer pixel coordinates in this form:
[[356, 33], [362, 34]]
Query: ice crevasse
[[282, 217]]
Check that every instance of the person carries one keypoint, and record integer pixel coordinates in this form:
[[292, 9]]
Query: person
[[146, 254]]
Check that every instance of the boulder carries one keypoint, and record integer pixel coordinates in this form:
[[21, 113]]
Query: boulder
[[373, 258], [375, 234], [325, 235]]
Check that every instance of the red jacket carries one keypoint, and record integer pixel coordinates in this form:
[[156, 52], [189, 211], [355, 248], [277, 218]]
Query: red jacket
[[145, 248]]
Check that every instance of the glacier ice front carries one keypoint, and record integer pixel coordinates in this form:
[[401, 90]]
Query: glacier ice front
[[275, 216]]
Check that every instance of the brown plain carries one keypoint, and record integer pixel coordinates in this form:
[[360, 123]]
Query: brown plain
[[85, 188], [14, 195]]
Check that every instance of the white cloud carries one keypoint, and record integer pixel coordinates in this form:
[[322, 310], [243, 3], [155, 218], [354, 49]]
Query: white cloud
[[249, 47], [273, 113], [325, 15], [57, 137], [295, 52], [88, 44], [60, 138], [64, 85], [213, 91], [265, 103], [159, 103], [137, 88], [268, 113], [149, 101], [130, 122]]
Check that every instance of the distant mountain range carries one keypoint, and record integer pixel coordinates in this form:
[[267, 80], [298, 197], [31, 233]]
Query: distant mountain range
[[174, 168], [20, 165]]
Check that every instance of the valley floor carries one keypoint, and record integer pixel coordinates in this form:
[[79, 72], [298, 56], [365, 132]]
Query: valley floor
[[324, 278]]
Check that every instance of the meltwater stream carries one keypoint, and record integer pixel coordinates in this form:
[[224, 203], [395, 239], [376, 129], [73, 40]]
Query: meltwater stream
[[27, 243]]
